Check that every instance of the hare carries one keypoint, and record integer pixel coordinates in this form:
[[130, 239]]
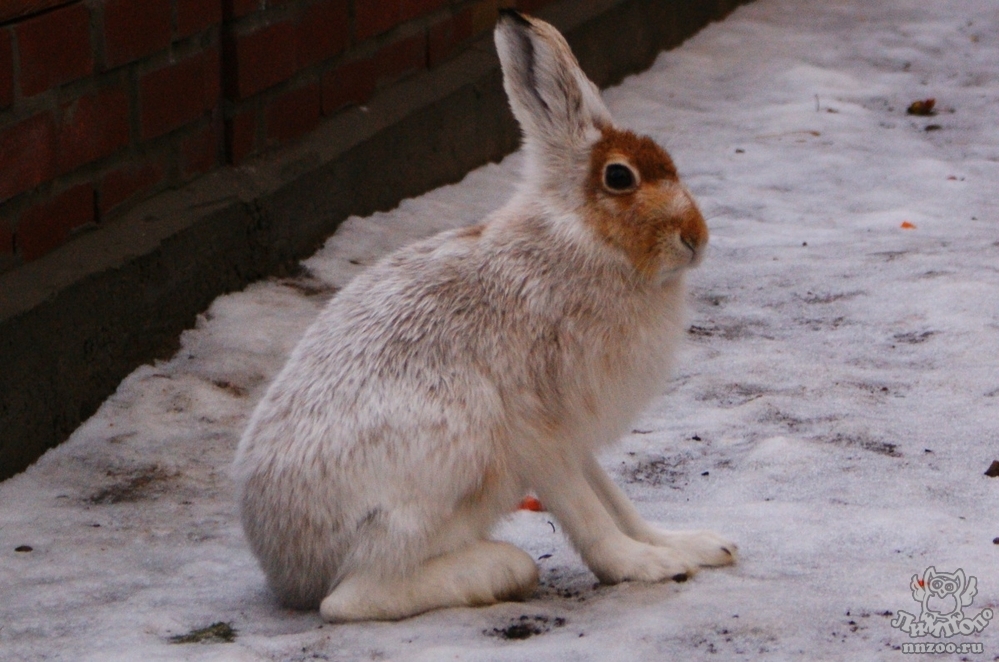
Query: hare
[[464, 370]]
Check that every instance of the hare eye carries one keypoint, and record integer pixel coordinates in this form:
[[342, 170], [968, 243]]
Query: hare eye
[[618, 177]]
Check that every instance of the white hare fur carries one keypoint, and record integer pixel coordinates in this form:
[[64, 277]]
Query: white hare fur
[[460, 372]]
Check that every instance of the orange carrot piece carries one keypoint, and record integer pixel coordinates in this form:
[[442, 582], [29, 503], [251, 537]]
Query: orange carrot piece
[[532, 504]]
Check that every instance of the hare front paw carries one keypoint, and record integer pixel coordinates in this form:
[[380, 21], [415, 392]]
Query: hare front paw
[[629, 560], [704, 548]]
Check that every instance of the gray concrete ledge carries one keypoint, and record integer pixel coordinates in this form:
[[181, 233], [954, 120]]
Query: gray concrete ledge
[[76, 322]]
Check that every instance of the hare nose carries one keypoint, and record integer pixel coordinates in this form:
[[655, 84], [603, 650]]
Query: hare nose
[[693, 230]]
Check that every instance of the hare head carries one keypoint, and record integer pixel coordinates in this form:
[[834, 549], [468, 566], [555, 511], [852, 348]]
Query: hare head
[[623, 186]]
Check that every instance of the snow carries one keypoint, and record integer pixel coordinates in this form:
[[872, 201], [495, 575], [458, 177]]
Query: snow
[[834, 409]]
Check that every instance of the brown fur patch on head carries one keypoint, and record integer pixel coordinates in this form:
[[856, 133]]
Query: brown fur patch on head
[[651, 160], [641, 221]]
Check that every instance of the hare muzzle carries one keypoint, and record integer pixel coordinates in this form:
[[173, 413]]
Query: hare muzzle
[[686, 234]]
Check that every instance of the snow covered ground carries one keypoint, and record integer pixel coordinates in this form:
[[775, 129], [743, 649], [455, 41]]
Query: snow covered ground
[[834, 411]]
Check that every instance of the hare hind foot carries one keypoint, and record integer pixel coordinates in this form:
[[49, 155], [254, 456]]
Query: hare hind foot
[[483, 573]]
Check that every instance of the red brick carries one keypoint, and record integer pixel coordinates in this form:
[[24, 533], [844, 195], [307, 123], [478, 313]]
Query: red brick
[[261, 59], [124, 183], [91, 127], [213, 77], [195, 16], [410, 9], [26, 155], [532, 5], [135, 28], [12, 9], [200, 151], [444, 37], [323, 31], [178, 94], [54, 48], [241, 136], [293, 114], [401, 57], [237, 8], [6, 70], [47, 226], [352, 83], [6, 241], [373, 17]]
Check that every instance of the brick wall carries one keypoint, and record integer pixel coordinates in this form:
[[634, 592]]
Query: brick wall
[[104, 103]]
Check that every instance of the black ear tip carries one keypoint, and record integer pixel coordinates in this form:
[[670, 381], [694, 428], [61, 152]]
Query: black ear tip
[[515, 16]]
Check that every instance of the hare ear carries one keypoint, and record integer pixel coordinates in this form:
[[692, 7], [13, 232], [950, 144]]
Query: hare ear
[[552, 99]]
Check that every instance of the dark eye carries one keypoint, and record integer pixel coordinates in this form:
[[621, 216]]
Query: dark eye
[[618, 177]]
